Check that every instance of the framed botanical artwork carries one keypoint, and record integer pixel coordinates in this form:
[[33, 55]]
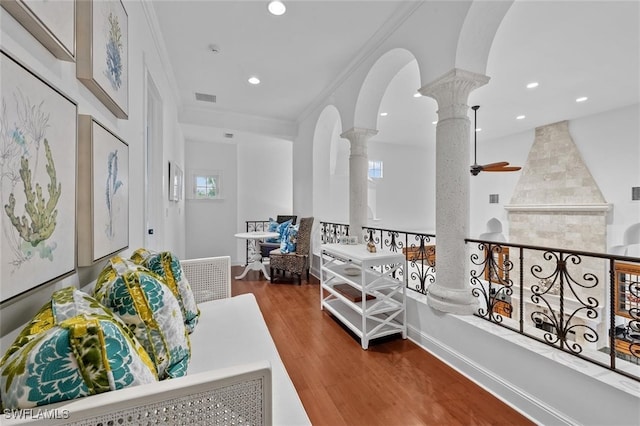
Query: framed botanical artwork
[[176, 179], [38, 136], [51, 23], [103, 192], [180, 182], [103, 52]]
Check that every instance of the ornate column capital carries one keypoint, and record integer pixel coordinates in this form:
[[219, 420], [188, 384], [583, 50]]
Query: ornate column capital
[[358, 138], [452, 90]]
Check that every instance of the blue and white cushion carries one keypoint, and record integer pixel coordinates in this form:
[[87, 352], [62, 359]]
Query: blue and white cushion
[[289, 239]]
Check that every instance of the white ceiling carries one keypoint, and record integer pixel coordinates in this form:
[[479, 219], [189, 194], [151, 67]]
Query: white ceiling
[[586, 48]]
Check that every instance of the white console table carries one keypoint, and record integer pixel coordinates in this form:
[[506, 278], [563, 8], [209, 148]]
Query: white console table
[[373, 277]]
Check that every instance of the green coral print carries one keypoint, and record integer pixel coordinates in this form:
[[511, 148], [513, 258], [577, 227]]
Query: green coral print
[[30, 225]]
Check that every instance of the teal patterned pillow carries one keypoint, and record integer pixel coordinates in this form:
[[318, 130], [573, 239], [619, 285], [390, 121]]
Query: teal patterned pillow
[[167, 265], [146, 304], [73, 347], [289, 239]]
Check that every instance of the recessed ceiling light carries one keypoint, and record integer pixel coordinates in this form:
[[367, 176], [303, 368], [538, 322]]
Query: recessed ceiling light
[[254, 80], [417, 95], [277, 8], [434, 122], [520, 117], [582, 99], [384, 114], [532, 85], [478, 129]]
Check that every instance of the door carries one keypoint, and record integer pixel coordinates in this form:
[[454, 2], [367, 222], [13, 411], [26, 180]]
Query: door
[[154, 179]]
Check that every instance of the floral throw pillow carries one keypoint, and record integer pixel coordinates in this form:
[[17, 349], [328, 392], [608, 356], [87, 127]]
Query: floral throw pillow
[[289, 239], [167, 265], [73, 347], [146, 304]]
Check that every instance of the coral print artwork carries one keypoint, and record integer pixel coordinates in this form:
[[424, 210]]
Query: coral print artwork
[[103, 52], [38, 184], [110, 48]]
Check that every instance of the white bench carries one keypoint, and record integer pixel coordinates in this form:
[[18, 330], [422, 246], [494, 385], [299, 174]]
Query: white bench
[[235, 375]]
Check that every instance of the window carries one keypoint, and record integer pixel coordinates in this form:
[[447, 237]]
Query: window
[[206, 186], [375, 169]]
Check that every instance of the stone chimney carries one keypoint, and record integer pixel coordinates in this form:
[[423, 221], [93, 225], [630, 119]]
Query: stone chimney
[[556, 202]]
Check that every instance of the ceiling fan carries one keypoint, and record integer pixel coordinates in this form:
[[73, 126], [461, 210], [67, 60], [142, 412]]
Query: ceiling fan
[[476, 168]]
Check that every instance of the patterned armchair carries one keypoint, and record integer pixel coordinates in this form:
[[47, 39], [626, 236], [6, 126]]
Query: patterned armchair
[[296, 262]]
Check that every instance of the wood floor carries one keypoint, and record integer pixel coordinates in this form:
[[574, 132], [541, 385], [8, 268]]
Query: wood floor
[[394, 382]]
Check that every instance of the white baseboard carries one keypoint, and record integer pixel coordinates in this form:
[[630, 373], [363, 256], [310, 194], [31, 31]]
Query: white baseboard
[[519, 400]]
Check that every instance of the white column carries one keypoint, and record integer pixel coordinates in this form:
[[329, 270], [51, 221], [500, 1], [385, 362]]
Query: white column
[[452, 291], [358, 175]]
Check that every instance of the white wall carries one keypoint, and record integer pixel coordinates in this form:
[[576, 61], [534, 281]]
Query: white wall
[[211, 223], [265, 183], [143, 55], [257, 184], [406, 193]]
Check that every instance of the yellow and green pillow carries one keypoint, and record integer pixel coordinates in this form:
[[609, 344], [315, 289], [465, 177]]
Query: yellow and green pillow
[[167, 265], [73, 347], [149, 308]]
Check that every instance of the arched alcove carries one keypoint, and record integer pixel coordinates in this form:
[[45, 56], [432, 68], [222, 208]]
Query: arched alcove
[[330, 168], [493, 231], [405, 143], [375, 85]]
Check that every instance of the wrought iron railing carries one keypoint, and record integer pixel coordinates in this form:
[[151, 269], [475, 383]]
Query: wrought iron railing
[[331, 232], [419, 249], [254, 225], [586, 304]]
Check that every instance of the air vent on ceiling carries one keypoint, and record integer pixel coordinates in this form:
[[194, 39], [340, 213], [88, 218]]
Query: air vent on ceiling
[[494, 198], [228, 135], [206, 97], [635, 193]]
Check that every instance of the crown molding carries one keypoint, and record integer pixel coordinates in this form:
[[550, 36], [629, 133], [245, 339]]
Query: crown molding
[[156, 35]]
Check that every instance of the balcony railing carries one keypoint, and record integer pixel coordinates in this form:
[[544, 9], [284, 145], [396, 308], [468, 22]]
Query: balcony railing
[[586, 304], [254, 225]]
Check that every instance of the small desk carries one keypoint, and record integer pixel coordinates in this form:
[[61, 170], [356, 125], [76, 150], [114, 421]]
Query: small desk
[[255, 263]]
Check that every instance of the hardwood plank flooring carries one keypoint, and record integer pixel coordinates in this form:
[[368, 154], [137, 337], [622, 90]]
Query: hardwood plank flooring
[[394, 382]]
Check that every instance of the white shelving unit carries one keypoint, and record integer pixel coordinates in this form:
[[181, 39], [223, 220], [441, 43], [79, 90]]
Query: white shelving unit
[[370, 274]]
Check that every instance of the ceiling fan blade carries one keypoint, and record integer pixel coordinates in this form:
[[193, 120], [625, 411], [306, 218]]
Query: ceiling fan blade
[[498, 164], [502, 169]]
